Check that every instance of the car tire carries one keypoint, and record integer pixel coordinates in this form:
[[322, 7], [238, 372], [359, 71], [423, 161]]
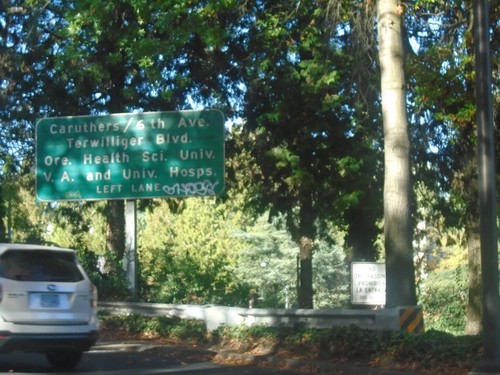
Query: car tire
[[64, 359]]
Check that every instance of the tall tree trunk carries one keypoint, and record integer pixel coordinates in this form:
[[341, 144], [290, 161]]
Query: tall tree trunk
[[397, 188], [306, 247], [361, 235], [115, 209], [115, 227]]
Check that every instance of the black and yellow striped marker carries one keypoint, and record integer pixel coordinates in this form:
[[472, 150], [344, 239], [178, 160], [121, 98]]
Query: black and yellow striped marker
[[411, 319]]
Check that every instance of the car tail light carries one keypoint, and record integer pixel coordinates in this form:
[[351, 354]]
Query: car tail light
[[93, 296]]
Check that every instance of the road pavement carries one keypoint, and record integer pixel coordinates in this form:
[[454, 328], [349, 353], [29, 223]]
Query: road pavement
[[135, 358], [131, 358]]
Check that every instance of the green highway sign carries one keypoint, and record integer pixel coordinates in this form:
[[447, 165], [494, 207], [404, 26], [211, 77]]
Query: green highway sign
[[130, 156]]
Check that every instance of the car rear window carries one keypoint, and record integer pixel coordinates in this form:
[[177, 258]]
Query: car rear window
[[39, 265]]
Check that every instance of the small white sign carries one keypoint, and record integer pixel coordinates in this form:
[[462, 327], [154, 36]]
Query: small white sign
[[367, 283]]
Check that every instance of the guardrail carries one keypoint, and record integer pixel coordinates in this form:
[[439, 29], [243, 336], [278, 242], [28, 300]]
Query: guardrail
[[400, 318]]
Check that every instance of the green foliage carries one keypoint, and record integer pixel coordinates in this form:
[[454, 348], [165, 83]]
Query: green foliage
[[434, 348], [111, 285], [330, 274], [354, 342], [241, 197], [76, 226], [429, 350], [110, 278], [247, 333], [189, 257], [268, 264], [437, 244], [174, 329], [444, 300], [308, 140], [28, 221]]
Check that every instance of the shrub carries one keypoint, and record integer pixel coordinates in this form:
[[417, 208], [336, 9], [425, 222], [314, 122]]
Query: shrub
[[444, 300], [168, 328]]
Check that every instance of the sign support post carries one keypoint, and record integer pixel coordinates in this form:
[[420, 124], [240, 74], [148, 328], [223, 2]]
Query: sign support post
[[130, 259]]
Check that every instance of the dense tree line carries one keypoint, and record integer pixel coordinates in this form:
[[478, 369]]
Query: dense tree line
[[301, 84]]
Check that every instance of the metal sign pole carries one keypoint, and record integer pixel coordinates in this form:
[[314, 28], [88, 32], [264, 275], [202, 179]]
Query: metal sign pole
[[130, 258]]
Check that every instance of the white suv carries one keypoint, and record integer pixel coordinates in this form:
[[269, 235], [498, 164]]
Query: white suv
[[47, 304]]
